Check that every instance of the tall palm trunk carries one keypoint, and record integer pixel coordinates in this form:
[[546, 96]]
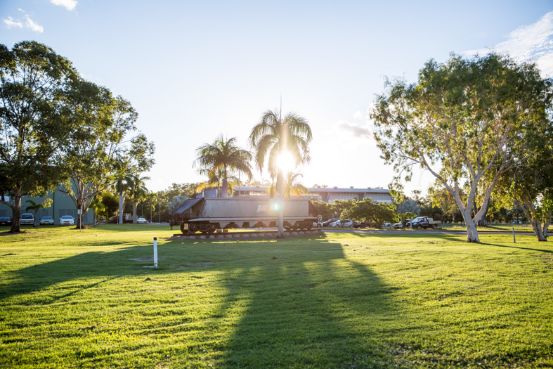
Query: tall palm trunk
[[280, 189], [121, 206], [224, 186], [134, 211]]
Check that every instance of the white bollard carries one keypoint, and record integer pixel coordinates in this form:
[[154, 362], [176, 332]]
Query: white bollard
[[155, 252]]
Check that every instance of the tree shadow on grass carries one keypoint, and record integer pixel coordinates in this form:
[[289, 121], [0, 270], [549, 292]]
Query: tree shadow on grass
[[315, 310], [304, 303], [517, 247]]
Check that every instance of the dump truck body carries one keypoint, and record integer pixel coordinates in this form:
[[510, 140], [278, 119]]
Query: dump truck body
[[210, 214]]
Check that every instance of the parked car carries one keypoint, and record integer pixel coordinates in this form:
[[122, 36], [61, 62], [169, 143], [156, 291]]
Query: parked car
[[398, 225], [360, 225], [141, 220], [387, 225], [424, 222], [342, 223], [27, 219], [67, 220], [46, 220], [5, 220], [327, 223]]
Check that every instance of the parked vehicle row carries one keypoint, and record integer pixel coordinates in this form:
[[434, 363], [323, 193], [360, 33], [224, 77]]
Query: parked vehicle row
[[422, 222], [29, 219]]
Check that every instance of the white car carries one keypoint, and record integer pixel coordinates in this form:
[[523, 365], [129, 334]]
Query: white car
[[347, 223], [342, 223], [27, 219], [141, 220], [67, 220]]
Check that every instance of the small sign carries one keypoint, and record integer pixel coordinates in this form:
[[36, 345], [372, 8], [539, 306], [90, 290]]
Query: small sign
[[79, 211]]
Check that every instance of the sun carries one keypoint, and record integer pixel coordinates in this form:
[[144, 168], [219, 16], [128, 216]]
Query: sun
[[285, 161]]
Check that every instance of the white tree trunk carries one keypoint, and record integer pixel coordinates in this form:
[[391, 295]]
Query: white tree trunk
[[472, 230]]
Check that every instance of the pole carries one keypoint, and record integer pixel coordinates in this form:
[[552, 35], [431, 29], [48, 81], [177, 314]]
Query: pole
[[155, 253]]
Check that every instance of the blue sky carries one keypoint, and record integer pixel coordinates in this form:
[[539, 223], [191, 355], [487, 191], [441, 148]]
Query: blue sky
[[195, 70]]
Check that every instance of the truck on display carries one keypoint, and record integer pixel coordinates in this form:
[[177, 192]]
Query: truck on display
[[209, 215]]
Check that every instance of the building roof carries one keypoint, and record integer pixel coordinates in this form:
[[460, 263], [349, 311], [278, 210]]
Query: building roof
[[321, 189], [348, 190]]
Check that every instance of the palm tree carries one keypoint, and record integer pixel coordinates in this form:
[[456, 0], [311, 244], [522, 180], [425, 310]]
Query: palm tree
[[222, 161], [294, 187], [275, 138], [275, 135], [137, 192], [122, 186]]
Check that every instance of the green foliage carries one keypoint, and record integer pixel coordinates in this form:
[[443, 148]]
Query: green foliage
[[324, 209], [99, 124], [343, 301], [223, 161], [105, 205], [463, 117], [368, 211], [34, 206], [33, 79]]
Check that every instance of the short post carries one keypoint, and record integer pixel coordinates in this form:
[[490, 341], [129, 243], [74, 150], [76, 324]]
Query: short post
[[155, 252], [514, 236]]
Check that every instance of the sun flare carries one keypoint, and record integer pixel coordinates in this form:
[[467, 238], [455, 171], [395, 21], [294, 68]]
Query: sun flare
[[285, 161]]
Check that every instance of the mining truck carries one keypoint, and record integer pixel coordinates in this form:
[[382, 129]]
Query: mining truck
[[209, 215]]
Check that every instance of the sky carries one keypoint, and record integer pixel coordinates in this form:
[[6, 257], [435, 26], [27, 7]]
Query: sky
[[198, 70]]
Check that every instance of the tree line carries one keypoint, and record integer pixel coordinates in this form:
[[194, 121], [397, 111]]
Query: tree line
[[58, 130]]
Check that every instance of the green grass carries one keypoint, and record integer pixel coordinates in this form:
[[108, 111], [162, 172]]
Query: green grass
[[87, 299], [491, 227]]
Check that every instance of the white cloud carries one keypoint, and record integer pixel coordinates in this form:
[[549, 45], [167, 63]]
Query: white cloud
[[26, 22], [12, 23], [67, 4], [533, 42], [357, 130], [32, 25]]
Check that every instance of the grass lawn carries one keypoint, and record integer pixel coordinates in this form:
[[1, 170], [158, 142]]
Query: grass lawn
[[87, 299], [491, 227]]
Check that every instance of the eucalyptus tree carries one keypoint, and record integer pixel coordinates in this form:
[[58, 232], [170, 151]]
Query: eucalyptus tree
[[280, 144], [460, 121], [529, 181], [222, 161], [33, 80], [100, 123]]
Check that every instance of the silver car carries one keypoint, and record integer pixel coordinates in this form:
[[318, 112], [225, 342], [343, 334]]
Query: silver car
[[47, 219]]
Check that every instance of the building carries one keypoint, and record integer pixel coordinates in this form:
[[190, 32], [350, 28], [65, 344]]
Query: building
[[331, 194], [62, 204], [327, 194]]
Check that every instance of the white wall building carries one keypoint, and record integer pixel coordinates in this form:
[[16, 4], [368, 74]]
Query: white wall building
[[327, 194]]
